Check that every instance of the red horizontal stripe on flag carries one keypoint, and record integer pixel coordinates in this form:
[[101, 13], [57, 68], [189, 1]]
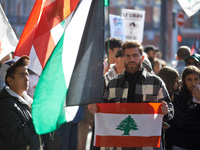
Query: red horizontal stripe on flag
[[130, 108], [127, 141]]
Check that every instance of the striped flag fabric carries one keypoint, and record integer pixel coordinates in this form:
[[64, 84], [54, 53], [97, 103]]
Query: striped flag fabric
[[73, 74], [8, 38], [195, 46], [43, 30], [128, 125]]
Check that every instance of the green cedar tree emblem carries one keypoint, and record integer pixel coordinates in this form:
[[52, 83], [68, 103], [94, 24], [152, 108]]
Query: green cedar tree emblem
[[126, 125]]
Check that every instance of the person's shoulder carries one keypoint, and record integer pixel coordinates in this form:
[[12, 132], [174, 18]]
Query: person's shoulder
[[178, 98], [5, 98], [154, 80], [177, 94], [111, 73], [150, 76], [117, 79], [4, 95]]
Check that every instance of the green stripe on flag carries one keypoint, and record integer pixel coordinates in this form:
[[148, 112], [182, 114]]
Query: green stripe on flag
[[106, 2], [49, 96]]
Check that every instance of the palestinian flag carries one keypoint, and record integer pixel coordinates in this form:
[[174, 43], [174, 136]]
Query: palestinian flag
[[128, 125], [43, 30], [73, 73]]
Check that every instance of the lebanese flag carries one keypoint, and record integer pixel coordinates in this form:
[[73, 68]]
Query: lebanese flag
[[128, 125], [43, 30]]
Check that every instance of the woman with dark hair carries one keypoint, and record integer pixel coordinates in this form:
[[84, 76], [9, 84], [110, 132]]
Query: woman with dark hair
[[170, 77], [185, 126]]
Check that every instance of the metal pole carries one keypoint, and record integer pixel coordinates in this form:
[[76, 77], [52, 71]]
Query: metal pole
[[163, 28]]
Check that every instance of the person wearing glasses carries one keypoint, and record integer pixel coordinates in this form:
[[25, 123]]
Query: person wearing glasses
[[193, 60]]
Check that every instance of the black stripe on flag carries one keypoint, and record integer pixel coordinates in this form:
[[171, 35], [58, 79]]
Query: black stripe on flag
[[87, 79]]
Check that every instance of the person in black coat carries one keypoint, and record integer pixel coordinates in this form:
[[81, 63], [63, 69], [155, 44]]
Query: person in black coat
[[16, 128], [185, 126]]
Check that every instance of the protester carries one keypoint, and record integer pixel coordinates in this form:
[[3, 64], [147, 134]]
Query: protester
[[171, 78], [137, 82], [147, 64], [158, 64], [16, 127], [116, 68], [185, 132], [112, 45], [159, 54], [151, 51], [193, 60], [182, 52]]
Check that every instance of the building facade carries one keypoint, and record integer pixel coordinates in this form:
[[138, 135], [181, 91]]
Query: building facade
[[17, 12], [189, 32]]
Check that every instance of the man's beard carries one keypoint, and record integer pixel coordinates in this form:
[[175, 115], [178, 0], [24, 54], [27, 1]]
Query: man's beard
[[133, 69], [151, 59]]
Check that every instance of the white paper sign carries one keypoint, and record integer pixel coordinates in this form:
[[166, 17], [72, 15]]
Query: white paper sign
[[190, 6], [134, 24], [117, 27]]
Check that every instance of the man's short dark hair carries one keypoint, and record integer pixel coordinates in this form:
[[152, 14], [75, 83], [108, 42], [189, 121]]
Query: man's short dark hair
[[112, 43], [132, 44], [23, 61], [183, 51], [148, 48]]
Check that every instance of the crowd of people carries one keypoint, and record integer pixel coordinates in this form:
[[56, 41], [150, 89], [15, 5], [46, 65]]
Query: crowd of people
[[179, 84], [132, 73]]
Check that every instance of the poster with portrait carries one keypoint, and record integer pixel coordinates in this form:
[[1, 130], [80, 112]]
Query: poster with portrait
[[134, 24], [117, 27]]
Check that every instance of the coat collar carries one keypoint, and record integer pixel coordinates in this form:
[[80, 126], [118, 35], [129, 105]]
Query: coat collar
[[121, 77], [25, 99]]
